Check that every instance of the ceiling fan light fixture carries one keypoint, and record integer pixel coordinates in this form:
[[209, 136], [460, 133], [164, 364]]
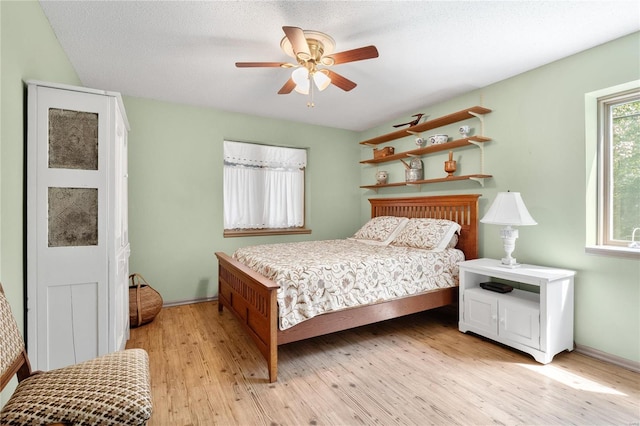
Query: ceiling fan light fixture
[[300, 76], [321, 80]]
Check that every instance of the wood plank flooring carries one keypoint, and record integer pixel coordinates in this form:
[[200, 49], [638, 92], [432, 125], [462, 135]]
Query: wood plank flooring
[[415, 370]]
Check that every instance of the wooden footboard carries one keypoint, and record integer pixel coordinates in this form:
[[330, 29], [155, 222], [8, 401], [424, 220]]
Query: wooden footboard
[[252, 298]]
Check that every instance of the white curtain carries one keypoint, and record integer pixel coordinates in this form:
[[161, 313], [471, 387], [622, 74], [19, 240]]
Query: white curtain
[[263, 186]]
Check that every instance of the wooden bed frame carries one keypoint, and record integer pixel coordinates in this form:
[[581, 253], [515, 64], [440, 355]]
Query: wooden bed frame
[[252, 297]]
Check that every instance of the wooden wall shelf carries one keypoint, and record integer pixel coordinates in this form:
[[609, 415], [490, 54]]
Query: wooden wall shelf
[[428, 125], [475, 140], [478, 177], [459, 143]]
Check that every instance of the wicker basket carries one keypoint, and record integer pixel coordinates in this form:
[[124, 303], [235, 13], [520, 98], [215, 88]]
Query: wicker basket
[[144, 301]]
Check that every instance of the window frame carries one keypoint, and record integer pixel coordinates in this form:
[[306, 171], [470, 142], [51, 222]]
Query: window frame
[[605, 202], [599, 173], [252, 232]]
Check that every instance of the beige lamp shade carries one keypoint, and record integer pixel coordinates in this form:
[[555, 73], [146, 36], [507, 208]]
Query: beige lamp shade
[[508, 209]]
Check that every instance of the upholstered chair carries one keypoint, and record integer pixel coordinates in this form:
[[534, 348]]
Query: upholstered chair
[[113, 389]]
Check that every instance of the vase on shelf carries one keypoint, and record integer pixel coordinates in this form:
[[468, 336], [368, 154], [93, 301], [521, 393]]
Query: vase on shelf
[[381, 177], [450, 166]]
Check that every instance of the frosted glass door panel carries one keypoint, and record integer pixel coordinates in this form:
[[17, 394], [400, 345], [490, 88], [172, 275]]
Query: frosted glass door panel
[[73, 139]]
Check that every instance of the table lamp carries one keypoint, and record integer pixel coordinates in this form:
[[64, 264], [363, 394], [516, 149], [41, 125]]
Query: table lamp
[[508, 210]]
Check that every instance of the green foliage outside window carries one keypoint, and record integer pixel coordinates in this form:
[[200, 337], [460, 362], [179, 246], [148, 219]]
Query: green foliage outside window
[[626, 169]]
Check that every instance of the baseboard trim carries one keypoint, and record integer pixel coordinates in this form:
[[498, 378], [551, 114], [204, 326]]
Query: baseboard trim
[[189, 302], [612, 359]]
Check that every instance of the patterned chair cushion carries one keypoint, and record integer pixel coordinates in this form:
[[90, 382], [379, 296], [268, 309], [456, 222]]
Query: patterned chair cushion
[[110, 390], [11, 343]]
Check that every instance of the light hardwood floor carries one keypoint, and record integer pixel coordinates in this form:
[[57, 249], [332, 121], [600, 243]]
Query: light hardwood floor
[[415, 370]]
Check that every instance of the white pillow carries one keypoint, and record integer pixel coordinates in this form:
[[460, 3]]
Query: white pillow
[[428, 234], [380, 230]]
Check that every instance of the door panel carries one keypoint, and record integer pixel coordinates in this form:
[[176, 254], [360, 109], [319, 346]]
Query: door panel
[[70, 318], [520, 322], [481, 311]]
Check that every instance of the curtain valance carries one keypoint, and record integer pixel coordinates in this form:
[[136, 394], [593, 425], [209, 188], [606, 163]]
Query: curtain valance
[[251, 154]]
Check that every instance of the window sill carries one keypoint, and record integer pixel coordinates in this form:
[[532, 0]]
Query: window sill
[[261, 232], [614, 251]]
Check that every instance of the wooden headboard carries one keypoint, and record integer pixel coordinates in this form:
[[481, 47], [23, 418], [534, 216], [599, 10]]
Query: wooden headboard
[[462, 209]]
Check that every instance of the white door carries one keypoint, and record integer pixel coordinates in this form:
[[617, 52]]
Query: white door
[[67, 266]]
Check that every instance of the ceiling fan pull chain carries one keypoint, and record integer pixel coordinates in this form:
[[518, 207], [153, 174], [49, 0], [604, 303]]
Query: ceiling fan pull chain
[[310, 104]]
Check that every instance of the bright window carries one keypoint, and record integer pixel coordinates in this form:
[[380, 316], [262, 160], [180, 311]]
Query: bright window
[[619, 172], [263, 189]]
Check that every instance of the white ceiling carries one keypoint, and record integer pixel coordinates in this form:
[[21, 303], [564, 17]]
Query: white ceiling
[[185, 52]]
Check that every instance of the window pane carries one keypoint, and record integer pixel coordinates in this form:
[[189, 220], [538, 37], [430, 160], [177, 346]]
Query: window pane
[[624, 170]]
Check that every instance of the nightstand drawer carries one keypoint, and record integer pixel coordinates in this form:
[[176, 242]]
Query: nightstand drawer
[[538, 324]]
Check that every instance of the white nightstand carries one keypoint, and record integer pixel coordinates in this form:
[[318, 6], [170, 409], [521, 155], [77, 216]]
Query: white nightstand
[[538, 324]]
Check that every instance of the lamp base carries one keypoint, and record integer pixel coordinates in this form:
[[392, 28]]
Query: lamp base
[[509, 236], [509, 262]]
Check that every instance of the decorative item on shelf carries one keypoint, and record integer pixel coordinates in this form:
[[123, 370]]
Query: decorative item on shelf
[[464, 131], [421, 142], [381, 177], [451, 165], [383, 152], [412, 175], [413, 171], [508, 210], [416, 163], [412, 122], [438, 139]]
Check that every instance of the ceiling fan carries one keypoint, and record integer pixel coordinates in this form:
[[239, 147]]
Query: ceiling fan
[[312, 49]]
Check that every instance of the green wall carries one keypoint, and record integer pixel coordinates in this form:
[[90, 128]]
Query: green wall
[[175, 189], [538, 148], [29, 50]]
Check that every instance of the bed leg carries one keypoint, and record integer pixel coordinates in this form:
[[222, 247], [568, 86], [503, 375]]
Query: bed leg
[[219, 306], [272, 365]]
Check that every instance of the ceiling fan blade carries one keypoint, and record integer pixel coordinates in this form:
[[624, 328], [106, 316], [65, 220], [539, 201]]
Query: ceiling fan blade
[[362, 53], [340, 81], [298, 41], [263, 64], [287, 88]]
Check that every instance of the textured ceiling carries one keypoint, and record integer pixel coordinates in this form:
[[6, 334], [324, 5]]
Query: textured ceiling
[[184, 52]]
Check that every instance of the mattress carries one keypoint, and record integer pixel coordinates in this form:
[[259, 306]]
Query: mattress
[[322, 276]]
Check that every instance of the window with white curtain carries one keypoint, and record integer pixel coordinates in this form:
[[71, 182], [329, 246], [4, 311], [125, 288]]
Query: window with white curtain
[[263, 188]]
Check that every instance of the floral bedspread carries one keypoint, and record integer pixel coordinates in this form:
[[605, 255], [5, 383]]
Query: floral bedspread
[[321, 276]]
